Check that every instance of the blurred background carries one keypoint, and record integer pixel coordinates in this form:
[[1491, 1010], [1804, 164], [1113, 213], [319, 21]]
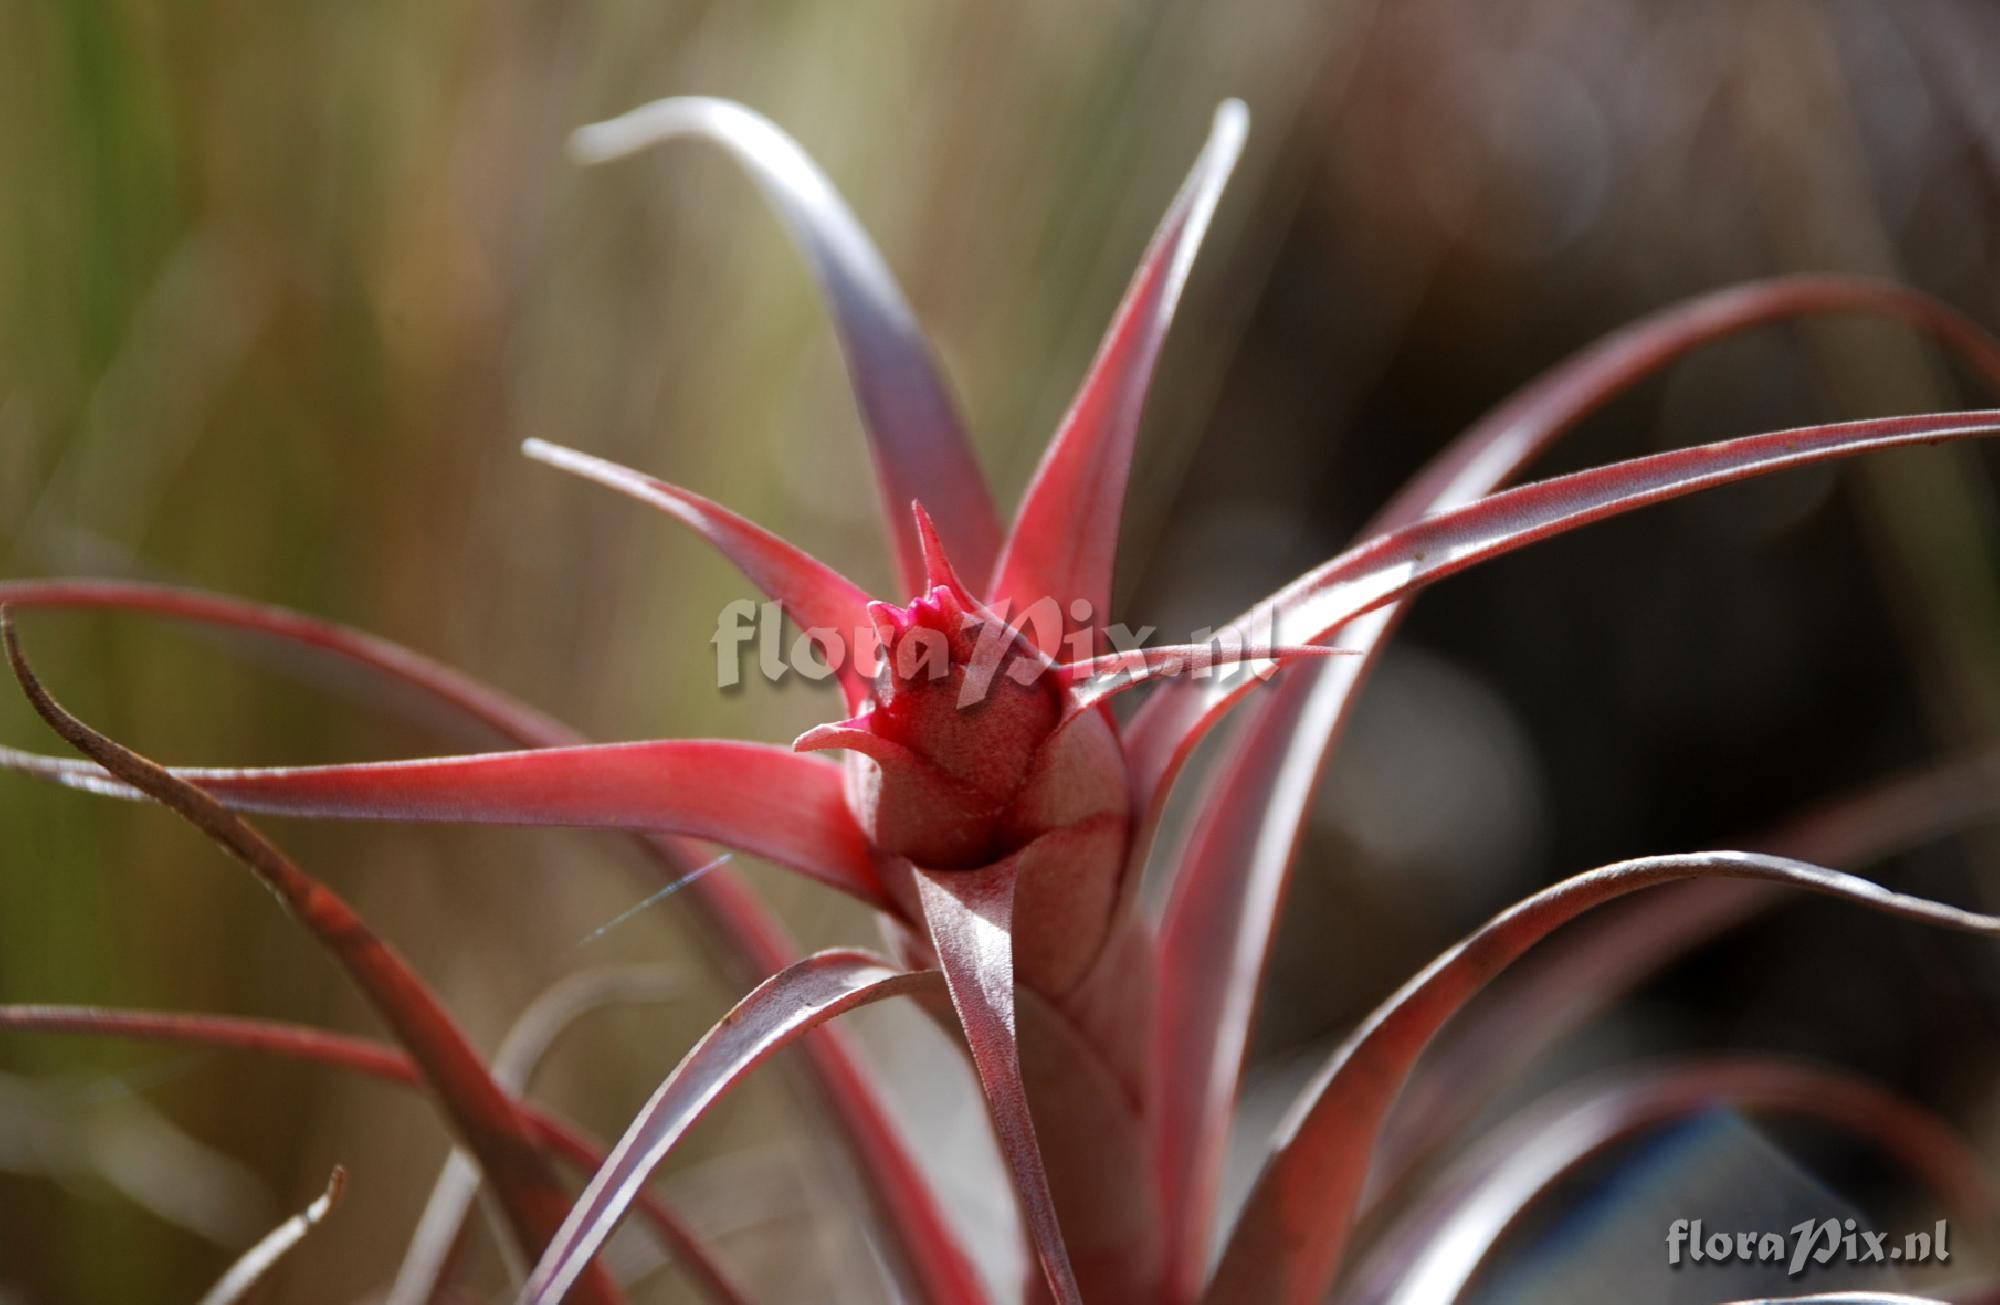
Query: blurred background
[[282, 288]]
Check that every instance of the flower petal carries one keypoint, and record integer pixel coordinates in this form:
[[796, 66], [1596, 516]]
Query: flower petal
[[919, 445], [1065, 537]]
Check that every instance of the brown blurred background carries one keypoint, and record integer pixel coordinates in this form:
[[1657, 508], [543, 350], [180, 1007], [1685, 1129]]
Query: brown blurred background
[[282, 288]]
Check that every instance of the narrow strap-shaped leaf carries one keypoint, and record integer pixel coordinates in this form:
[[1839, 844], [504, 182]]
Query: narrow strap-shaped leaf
[[766, 800], [970, 917], [1500, 445], [244, 1275], [546, 1018], [380, 658], [482, 1114], [1065, 537], [371, 1059], [1442, 1245], [1582, 972], [1397, 563], [915, 436], [748, 941], [813, 594], [1235, 864], [778, 1011], [1287, 1244]]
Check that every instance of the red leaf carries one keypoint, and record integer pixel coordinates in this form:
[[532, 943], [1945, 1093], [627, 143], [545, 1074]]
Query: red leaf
[[919, 445], [546, 1018], [434, 680], [1065, 537], [358, 1056], [1235, 865], [1397, 563], [814, 595], [1287, 1245], [483, 1115], [1584, 971], [766, 800], [751, 945], [1442, 1244], [970, 916], [777, 1012]]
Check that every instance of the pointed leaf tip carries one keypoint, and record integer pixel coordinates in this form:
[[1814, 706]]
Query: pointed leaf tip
[[1065, 536], [937, 564]]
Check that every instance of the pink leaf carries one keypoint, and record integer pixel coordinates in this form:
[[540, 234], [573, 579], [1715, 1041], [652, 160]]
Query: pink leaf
[[1397, 563], [813, 594], [1583, 971], [1287, 1245], [749, 942], [1065, 537], [766, 800], [369, 1058], [1236, 862], [919, 445], [777, 1012], [486, 1119], [382, 659], [970, 915], [554, 1012], [1440, 1246]]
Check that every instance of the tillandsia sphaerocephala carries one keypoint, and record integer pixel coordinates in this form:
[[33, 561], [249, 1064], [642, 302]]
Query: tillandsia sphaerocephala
[[979, 793]]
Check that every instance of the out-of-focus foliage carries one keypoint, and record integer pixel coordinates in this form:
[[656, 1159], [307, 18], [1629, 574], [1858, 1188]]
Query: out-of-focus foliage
[[283, 287]]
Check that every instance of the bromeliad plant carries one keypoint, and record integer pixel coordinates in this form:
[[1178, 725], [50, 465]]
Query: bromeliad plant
[[990, 807]]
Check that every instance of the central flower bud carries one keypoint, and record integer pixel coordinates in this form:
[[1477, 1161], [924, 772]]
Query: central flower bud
[[970, 748]]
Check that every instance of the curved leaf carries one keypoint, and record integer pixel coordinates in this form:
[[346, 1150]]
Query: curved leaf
[[1235, 863], [777, 1012], [363, 1056], [1396, 563], [1582, 972], [521, 1051], [1451, 1236], [244, 1275], [813, 594], [748, 941], [970, 917], [918, 443], [1287, 1245], [434, 680], [766, 800], [483, 1115]]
